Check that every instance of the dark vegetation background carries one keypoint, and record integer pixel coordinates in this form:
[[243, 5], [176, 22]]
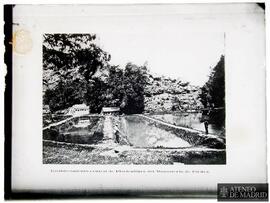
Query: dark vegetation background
[[212, 93]]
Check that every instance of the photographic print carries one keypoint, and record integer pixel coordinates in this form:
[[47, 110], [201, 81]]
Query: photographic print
[[98, 111], [115, 99], [134, 96]]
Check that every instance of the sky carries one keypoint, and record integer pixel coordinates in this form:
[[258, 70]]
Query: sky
[[172, 45]]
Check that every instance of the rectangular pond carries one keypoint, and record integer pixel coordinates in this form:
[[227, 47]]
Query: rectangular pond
[[142, 133], [81, 130]]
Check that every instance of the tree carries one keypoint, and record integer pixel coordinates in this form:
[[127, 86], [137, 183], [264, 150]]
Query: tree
[[73, 58], [64, 52], [116, 89], [135, 79], [96, 95], [213, 92], [122, 88], [65, 94]]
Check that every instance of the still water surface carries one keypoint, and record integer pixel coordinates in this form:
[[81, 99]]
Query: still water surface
[[141, 133], [190, 120]]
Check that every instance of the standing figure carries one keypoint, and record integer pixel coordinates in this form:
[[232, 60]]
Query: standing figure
[[117, 133], [206, 120], [206, 126], [117, 137]]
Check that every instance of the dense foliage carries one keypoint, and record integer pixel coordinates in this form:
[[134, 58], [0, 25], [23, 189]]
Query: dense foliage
[[123, 88], [65, 52], [73, 58], [65, 94], [134, 82], [213, 93]]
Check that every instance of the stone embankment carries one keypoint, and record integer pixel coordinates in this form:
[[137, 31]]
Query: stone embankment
[[192, 136]]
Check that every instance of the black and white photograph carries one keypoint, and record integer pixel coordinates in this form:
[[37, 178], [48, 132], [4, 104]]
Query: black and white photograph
[[137, 99], [141, 98]]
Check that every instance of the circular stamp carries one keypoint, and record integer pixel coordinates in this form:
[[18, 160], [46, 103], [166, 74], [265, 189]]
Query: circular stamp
[[22, 42]]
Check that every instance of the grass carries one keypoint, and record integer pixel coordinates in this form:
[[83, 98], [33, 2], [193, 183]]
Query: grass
[[74, 154]]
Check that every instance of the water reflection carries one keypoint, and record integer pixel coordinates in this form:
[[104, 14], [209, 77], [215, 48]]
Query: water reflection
[[141, 133], [190, 120]]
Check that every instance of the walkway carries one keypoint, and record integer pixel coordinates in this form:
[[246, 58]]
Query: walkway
[[58, 123], [108, 128], [63, 121]]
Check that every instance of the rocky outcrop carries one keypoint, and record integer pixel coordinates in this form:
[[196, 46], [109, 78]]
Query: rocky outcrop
[[167, 94]]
